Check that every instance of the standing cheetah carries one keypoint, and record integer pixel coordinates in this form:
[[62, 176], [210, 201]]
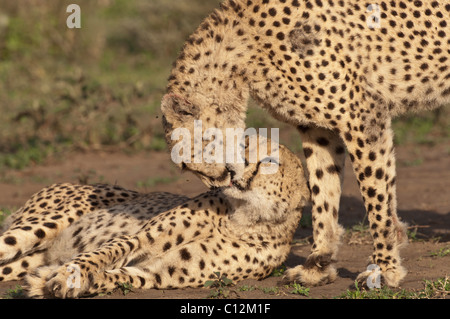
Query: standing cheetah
[[75, 240], [338, 75]]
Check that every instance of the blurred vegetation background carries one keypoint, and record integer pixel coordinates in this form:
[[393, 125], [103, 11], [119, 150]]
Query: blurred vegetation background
[[99, 87]]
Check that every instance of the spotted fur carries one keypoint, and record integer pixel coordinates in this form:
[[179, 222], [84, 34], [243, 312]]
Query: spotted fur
[[75, 240], [320, 66]]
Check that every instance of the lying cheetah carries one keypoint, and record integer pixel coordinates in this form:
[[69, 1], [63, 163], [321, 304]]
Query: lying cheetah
[[76, 240], [338, 71]]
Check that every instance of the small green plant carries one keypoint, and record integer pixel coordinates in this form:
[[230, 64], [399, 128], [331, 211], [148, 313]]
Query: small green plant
[[298, 289], [15, 293], [361, 227], [279, 271], [358, 233], [436, 289], [306, 221], [411, 232], [271, 290], [125, 287], [381, 293], [221, 285], [433, 289], [444, 251], [247, 288]]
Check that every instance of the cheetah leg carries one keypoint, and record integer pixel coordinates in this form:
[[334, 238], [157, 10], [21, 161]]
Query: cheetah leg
[[373, 162], [17, 269], [37, 223], [149, 267], [32, 234], [163, 272], [78, 276], [325, 154], [48, 212], [183, 266], [178, 268]]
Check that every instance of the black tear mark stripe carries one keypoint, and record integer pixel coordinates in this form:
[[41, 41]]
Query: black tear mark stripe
[[249, 181]]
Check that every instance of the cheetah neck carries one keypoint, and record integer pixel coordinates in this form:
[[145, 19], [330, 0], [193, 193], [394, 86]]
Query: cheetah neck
[[211, 68], [261, 216]]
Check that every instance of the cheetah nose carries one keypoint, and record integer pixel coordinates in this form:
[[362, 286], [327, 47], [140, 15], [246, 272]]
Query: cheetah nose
[[231, 171]]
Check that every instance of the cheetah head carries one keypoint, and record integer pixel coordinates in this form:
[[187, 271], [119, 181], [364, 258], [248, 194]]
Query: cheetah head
[[270, 188], [191, 129], [265, 184]]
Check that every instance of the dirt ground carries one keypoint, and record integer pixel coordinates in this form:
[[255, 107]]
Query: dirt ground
[[423, 185]]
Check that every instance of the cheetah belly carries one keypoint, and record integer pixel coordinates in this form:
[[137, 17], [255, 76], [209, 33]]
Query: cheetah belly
[[89, 233]]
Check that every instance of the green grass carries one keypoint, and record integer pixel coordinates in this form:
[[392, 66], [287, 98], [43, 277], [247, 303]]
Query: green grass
[[444, 251], [247, 288], [220, 286], [435, 289], [98, 87], [279, 271], [4, 212], [439, 288], [299, 290], [14, 293], [427, 128], [125, 288], [382, 293]]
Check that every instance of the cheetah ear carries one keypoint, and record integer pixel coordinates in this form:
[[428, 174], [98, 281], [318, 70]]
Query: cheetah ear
[[174, 106]]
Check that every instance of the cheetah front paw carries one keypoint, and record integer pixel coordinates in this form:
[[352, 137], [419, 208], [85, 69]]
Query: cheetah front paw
[[35, 281], [317, 270], [65, 281], [311, 277], [374, 277]]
